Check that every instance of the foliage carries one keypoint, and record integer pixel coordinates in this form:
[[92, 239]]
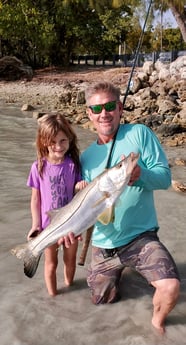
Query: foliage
[[45, 32], [171, 39], [24, 30]]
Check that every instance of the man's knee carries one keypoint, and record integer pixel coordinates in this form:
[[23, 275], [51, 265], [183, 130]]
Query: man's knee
[[168, 287], [173, 288]]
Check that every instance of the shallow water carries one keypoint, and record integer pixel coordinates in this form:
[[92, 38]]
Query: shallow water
[[27, 315]]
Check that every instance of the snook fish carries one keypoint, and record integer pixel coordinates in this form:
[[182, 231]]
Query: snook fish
[[95, 202]]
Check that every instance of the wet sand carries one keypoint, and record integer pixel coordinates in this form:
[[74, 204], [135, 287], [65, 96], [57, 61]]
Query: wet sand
[[27, 314]]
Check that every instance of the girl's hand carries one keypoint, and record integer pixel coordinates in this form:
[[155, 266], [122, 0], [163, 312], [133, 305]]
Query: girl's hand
[[80, 185], [33, 233]]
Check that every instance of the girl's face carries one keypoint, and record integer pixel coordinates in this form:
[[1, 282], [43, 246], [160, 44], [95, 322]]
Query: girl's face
[[58, 148]]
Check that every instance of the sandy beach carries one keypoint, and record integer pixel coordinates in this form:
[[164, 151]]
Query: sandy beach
[[27, 314]]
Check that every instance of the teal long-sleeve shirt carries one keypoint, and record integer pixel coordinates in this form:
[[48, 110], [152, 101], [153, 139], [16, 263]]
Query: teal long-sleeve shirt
[[135, 211]]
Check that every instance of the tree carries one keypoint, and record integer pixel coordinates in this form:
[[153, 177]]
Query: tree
[[44, 32], [178, 8], [50, 32], [25, 31]]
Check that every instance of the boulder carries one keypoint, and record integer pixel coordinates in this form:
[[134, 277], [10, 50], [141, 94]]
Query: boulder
[[12, 68]]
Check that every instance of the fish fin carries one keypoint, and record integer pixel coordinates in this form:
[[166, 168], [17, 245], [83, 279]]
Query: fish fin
[[52, 213], [107, 216], [31, 262], [106, 195], [30, 267]]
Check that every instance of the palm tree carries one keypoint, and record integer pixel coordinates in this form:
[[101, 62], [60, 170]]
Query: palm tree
[[178, 9]]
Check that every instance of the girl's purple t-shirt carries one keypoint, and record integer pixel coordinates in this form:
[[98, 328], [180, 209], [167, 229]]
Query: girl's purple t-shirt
[[56, 185]]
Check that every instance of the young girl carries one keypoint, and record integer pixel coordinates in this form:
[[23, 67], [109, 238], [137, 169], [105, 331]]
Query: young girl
[[53, 178]]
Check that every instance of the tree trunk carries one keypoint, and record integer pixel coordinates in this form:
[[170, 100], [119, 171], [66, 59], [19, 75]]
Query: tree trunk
[[180, 18]]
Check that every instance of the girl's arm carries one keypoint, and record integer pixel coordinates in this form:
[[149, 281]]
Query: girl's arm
[[35, 205]]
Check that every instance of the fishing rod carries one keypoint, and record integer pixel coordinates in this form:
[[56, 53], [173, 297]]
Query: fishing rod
[[137, 53], [88, 235]]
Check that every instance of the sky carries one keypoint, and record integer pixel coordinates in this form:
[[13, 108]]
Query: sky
[[168, 19]]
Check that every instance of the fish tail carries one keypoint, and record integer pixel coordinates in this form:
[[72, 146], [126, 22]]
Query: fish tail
[[31, 261]]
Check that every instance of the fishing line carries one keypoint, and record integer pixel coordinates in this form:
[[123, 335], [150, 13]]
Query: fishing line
[[111, 149], [137, 53], [130, 78]]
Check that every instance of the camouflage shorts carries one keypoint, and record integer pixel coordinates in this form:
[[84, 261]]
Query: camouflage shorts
[[146, 254]]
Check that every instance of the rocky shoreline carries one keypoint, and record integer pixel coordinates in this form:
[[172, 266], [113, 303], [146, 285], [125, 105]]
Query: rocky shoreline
[[54, 90], [157, 96], [48, 86]]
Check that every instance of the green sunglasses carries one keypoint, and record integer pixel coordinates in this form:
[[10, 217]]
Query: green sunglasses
[[109, 106]]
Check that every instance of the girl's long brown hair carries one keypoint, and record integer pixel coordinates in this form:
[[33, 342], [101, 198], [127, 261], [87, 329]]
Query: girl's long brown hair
[[48, 127]]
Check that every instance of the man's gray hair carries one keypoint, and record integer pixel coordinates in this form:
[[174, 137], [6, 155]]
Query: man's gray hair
[[100, 87]]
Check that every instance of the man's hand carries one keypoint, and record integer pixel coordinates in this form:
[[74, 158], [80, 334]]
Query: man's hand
[[135, 172], [134, 175], [68, 240]]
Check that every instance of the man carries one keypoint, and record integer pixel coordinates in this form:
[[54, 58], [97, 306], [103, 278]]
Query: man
[[131, 240]]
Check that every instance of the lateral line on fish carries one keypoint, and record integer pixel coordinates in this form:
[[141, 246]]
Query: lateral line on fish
[[87, 206], [70, 216]]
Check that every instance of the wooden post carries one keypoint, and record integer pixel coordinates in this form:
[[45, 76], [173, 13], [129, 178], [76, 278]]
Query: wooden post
[[85, 247]]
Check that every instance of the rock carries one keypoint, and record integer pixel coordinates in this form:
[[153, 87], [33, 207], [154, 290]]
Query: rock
[[166, 106], [169, 130], [80, 99], [180, 118], [164, 73], [180, 161], [153, 78], [178, 66], [176, 140], [178, 186], [65, 98], [27, 107], [37, 114], [159, 102], [148, 67], [181, 90], [12, 68]]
